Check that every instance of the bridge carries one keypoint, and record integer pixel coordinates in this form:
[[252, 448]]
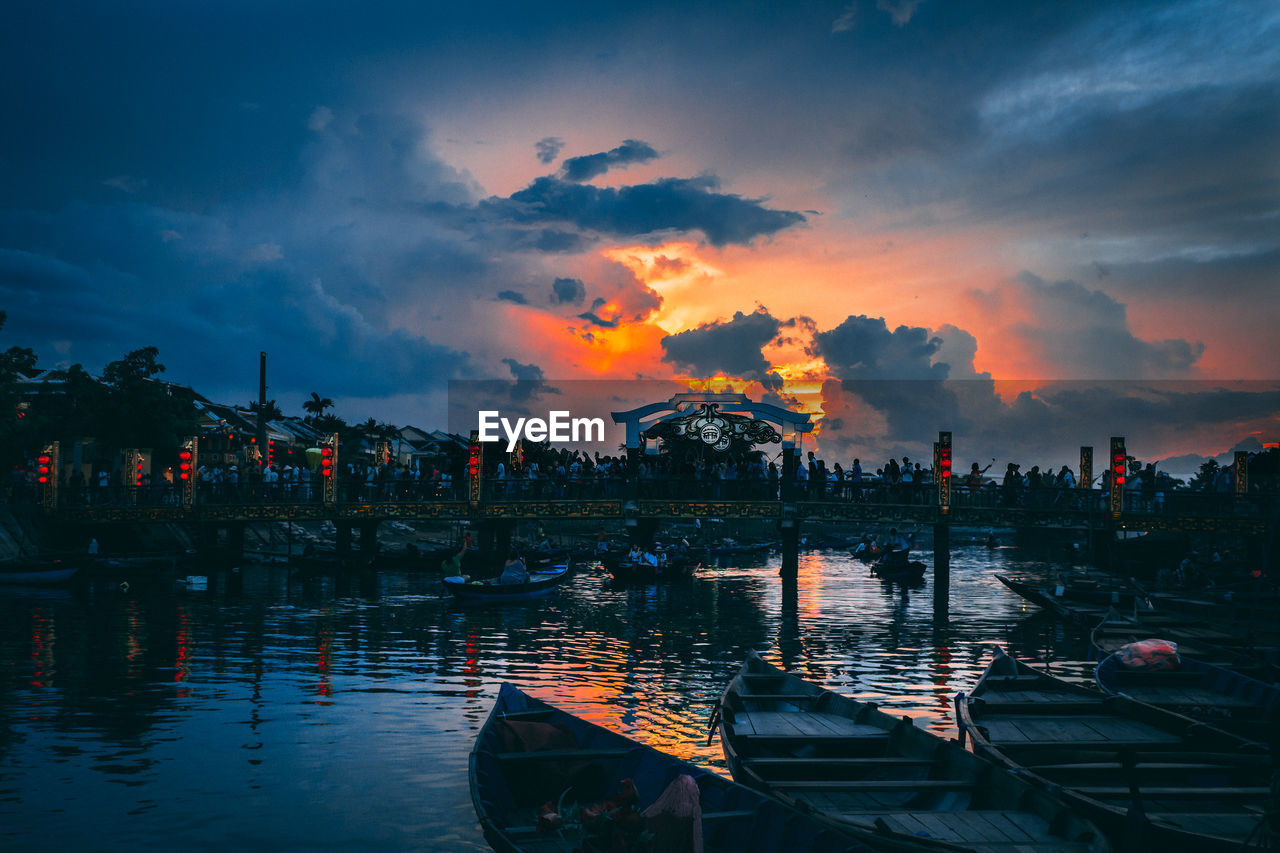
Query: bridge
[[641, 496]]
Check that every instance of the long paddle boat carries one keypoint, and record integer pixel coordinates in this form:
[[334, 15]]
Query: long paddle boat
[[546, 781], [1152, 779], [894, 783]]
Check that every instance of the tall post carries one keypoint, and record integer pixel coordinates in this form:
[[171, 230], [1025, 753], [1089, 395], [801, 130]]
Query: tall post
[[942, 530], [131, 474], [262, 405], [47, 466], [1242, 473], [941, 573], [790, 548], [1119, 471], [942, 472], [475, 468], [188, 461], [329, 470], [1086, 468]]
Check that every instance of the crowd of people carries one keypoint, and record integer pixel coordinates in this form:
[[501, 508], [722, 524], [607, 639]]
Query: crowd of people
[[544, 472]]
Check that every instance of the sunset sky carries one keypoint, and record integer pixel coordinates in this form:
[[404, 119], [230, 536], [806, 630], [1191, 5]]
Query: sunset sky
[[387, 196]]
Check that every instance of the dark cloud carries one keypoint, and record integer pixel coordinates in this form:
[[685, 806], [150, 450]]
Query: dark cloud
[[512, 296], [668, 204], [530, 383], [590, 166], [862, 347], [568, 291], [596, 320], [548, 149], [732, 347]]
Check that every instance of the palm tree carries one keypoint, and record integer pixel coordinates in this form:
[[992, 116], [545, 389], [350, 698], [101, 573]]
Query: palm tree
[[316, 405]]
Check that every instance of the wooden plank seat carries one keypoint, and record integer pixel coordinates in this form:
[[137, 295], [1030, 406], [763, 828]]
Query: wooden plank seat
[[988, 829], [562, 754], [784, 697], [1174, 793], [839, 762], [875, 785]]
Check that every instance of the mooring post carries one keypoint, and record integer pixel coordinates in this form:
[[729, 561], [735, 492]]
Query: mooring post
[[941, 572], [369, 538], [942, 530], [790, 548]]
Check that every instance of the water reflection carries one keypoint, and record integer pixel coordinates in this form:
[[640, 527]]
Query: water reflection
[[271, 712]]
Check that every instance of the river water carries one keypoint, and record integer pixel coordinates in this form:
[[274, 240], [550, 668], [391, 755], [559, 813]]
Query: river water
[[271, 714]]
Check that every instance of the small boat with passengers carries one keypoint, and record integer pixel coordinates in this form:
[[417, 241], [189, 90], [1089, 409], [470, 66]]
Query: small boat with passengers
[[536, 585]]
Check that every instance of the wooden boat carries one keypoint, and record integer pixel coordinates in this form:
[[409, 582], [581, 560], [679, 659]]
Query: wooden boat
[[1078, 591], [880, 775], [1150, 778], [1245, 652], [36, 572], [531, 761], [899, 569], [540, 583], [1228, 700], [632, 572]]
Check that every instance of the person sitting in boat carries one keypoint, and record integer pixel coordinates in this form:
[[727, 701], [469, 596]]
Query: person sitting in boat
[[634, 556], [651, 558], [864, 547], [896, 543], [514, 571], [897, 548]]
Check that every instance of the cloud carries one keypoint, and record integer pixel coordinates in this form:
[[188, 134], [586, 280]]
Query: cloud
[[862, 347], [530, 382], [900, 10], [569, 291], [512, 296], [731, 348], [264, 253], [126, 183], [596, 320], [590, 166], [548, 149], [1084, 333], [320, 119], [664, 205], [847, 20]]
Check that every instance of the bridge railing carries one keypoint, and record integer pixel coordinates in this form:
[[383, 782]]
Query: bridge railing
[[1180, 503]]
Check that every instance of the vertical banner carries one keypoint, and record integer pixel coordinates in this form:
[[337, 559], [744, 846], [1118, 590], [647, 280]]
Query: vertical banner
[[1086, 468], [942, 471], [1242, 473], [1119, 472], [47, 476], [475, 467]]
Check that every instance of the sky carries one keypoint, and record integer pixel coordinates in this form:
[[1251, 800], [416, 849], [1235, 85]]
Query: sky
[[1035, 224]]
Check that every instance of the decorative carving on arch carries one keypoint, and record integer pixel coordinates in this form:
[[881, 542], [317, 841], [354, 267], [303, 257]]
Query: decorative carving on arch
[[716, 429]]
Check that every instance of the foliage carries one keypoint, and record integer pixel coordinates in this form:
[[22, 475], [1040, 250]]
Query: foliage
[[315, 406]]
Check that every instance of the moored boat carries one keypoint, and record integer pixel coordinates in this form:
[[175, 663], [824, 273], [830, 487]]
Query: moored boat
[[545, 780], [882, 776], [1203, 691], [540, 583], [36, 572], [1150, 778]]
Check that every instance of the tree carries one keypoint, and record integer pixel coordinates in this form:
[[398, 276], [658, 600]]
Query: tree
[[269, 411], [315, 406], [142, 411]]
